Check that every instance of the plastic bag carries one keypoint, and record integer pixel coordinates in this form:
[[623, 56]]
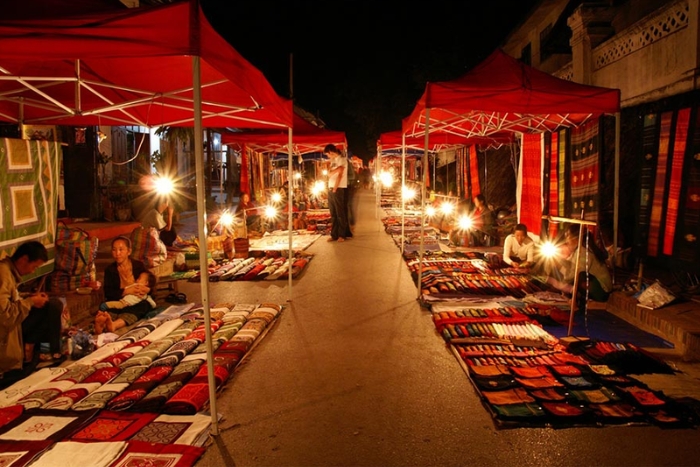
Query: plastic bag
[[655, 296]]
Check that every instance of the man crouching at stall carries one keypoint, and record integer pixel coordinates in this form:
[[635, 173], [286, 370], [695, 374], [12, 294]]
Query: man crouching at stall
[[25, 321]]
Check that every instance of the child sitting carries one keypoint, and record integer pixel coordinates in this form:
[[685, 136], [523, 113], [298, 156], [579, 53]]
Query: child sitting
[[147, 279]]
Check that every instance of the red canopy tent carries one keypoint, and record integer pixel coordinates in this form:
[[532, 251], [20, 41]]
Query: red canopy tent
[[131, 67], [504, 94], [307, 138], [147, 66]]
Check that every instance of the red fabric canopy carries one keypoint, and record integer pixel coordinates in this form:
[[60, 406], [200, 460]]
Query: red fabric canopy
[[393, 141], [306, 138], [130, 67], [503, 93]]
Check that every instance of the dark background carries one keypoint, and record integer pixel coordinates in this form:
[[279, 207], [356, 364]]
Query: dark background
[[360, 66]]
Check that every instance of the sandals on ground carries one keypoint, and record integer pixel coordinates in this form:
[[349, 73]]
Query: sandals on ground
[[176, 298]]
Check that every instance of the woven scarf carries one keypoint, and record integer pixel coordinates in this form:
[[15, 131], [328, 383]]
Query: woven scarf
[[688, 249], [657, 201], [474, 170], [585, 169], [530, 179], [648, 163], [674, 189]]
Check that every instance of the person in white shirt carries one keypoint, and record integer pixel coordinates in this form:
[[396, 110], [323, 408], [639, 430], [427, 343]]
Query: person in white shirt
[[337, 190], [519, 248]]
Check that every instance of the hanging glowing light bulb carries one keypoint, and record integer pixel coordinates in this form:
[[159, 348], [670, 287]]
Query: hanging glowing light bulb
[[408, 193], [163, 185], [465, 222]]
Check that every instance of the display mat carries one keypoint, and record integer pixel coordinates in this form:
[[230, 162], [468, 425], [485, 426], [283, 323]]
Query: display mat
[[526, 377], [280, 242], [142, 398]]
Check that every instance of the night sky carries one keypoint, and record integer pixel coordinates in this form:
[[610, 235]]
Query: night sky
[[361, 65]]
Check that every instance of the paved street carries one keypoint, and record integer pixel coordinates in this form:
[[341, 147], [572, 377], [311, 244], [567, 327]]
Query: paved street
[[353, 373]]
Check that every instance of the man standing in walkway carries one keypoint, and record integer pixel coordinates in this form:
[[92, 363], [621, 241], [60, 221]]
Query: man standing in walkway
[[337, 188]]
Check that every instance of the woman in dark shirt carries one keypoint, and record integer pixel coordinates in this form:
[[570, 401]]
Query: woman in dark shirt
[[123, 272]]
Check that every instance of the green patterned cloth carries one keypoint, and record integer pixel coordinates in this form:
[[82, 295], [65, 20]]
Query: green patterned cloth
[[29, 195]]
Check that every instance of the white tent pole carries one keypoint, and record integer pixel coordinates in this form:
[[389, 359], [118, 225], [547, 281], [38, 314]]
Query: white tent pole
[[377, 183], [616, 195], [424, 174], [202, 234], [290, 203], [403, 184]]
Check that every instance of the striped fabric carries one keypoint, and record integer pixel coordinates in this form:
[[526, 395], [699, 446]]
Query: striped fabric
[[585, 170], [674, 190], [659, 194], [561, 176], [530, 178], [688, 246], [474, 170], [648, 169]]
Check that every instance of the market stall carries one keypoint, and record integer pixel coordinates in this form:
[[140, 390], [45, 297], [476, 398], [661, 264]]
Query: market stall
[[160, 66]]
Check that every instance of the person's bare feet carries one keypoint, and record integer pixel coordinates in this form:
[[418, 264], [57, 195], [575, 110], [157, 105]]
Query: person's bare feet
[[101, 322], [109, 324]]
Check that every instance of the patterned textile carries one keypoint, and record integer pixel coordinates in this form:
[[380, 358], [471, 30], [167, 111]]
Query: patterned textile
[[585, 171], [92, 454], [474, 171], [139, 388], [29, 195], [175, 429], [149, 353], [113, 426], [647, 172], [657, 200], [44, 394], [674, 189], [530, 202], [68, 398], [98, 398], [102, 353], [9, 396], [43, 424], [688, 247], [21, 453], [140, 453], [7, 414], [146, 246], [154, 400]]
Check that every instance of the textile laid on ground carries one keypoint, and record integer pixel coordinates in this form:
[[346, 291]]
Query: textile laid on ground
[[29, 195], [280, 242], [137, 399], [527, 377], [272, 266]]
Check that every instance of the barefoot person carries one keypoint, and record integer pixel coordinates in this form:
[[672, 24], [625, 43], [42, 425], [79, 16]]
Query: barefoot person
[[121, 280]]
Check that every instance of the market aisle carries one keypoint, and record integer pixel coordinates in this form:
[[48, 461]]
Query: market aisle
[[353, 373], [350, 373]]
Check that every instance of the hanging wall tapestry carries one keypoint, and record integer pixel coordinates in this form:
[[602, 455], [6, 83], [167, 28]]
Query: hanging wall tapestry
[[530, 203], [585, 170], [688, 246], [29, 195]]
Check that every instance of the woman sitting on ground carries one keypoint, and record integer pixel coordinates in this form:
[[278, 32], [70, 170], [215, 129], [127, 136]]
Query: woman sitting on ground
[[121, 279], [594, 280]]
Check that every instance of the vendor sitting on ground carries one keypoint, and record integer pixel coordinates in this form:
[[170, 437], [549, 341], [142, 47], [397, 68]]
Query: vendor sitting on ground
[[26, 320], [594, 280], [120, 280], [247, 209], [519, 248]]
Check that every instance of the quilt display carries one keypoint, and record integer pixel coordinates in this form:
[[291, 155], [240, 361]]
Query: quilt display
[[527, 377], [136, 400], [29, 195]]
